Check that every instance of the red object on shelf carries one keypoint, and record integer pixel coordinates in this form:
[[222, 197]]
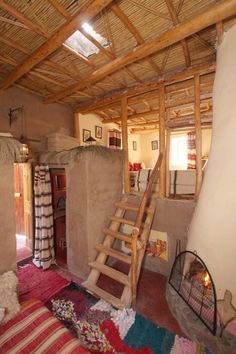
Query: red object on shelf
[[131, 167], [137, 166]]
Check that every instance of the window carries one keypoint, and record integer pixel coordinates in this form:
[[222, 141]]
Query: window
[[178, 152], [78, 42]]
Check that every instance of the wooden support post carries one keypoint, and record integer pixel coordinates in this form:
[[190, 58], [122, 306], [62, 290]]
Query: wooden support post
[[124, 129], [162, 179], [198, 136], [219, 31], [76, 127], [167, 163]]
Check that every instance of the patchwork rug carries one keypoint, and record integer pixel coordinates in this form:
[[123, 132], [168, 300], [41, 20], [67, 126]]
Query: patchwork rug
[[103, 329], [39, 284]]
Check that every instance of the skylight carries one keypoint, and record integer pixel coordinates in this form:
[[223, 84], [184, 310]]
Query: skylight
[[78, 42]]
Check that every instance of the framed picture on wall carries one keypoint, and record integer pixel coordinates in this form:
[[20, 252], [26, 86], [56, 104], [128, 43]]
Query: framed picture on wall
[[98, 132], [86, 134], [134, 145], [154, 144]]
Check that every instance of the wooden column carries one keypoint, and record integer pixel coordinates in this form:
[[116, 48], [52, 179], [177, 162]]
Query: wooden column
[[219, 31], [198, 136], [76, 127], [162, 180], [124, 129], [167, 163]]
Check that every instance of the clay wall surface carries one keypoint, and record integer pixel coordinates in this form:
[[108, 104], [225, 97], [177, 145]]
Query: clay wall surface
[[213, 229], [39, 118], [7, 219], [173, 217], [94, 184]]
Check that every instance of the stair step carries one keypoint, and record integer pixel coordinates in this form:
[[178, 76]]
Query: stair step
[[114, 253], [121, 220], [103, 295], [116, 234], [111, 272], [132, 207]]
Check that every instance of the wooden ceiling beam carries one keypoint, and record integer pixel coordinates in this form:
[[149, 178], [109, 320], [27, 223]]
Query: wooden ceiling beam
[[177, 104], [176, 21], [59, 8], [13, 44], [106, 52], [181, 121], [212, 15], [78, 55], [13, 22], [59, 68], [146, 8], [128, 24], [168, 79], [22, 18], [87, 12]]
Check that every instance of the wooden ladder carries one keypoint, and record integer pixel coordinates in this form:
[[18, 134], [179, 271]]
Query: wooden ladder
[[136, 241]]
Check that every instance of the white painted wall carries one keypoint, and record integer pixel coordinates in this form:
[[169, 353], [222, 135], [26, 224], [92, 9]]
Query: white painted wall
[[213, 228], [89, 121], [148, 157], [206, 141], [134, 155]]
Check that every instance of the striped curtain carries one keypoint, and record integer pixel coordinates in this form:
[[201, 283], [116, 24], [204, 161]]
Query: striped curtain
[[114, 139], [191, 150], [44, 254]]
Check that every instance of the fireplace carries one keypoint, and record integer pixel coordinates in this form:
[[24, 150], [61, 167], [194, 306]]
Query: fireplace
[[191, 279]]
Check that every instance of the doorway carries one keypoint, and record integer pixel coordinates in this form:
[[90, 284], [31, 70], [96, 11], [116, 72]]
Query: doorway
[[23, 210]]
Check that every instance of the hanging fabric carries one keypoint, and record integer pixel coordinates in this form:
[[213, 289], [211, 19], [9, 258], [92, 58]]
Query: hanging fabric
[[191, 150], [114, 139], [44, 254]]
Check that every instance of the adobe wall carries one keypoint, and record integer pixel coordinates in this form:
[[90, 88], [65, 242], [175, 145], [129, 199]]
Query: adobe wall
[[40, 119], [213, 229], [94, 183], [7, 219], [173, 217]]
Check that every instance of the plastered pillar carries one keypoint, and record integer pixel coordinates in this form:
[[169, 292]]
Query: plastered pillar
[[213, 229]]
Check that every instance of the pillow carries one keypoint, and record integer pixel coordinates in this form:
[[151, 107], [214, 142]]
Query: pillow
[[8, 295]]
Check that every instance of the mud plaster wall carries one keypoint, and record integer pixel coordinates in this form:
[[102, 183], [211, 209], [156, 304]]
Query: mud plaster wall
[[40, 119], [213, 229], [94, 183], [7, 219], [174, 218]]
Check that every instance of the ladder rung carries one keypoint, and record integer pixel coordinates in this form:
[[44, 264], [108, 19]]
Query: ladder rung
[[111, 272], [116, 234], [131, 207], [114, 253], [126, 206], [104, 295], [121, 220]]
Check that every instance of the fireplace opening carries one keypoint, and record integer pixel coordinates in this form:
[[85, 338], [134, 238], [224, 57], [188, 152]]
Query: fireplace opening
[[192, 281]]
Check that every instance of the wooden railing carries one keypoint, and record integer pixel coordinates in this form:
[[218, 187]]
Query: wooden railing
[[137, 242]]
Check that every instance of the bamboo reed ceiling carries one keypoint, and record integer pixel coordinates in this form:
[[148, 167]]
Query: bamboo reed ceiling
[[60, 74]]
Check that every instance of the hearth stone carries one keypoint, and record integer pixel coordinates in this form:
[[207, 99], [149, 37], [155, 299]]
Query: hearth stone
[[195, 330]]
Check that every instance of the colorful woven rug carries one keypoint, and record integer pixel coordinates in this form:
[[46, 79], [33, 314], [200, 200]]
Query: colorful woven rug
[[39, 284], [102, 329]]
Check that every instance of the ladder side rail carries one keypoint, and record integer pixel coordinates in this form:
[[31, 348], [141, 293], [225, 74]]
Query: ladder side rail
[[147, 193], [136, 229]]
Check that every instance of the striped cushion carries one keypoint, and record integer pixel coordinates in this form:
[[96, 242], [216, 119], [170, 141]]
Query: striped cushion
[[35, 330]]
